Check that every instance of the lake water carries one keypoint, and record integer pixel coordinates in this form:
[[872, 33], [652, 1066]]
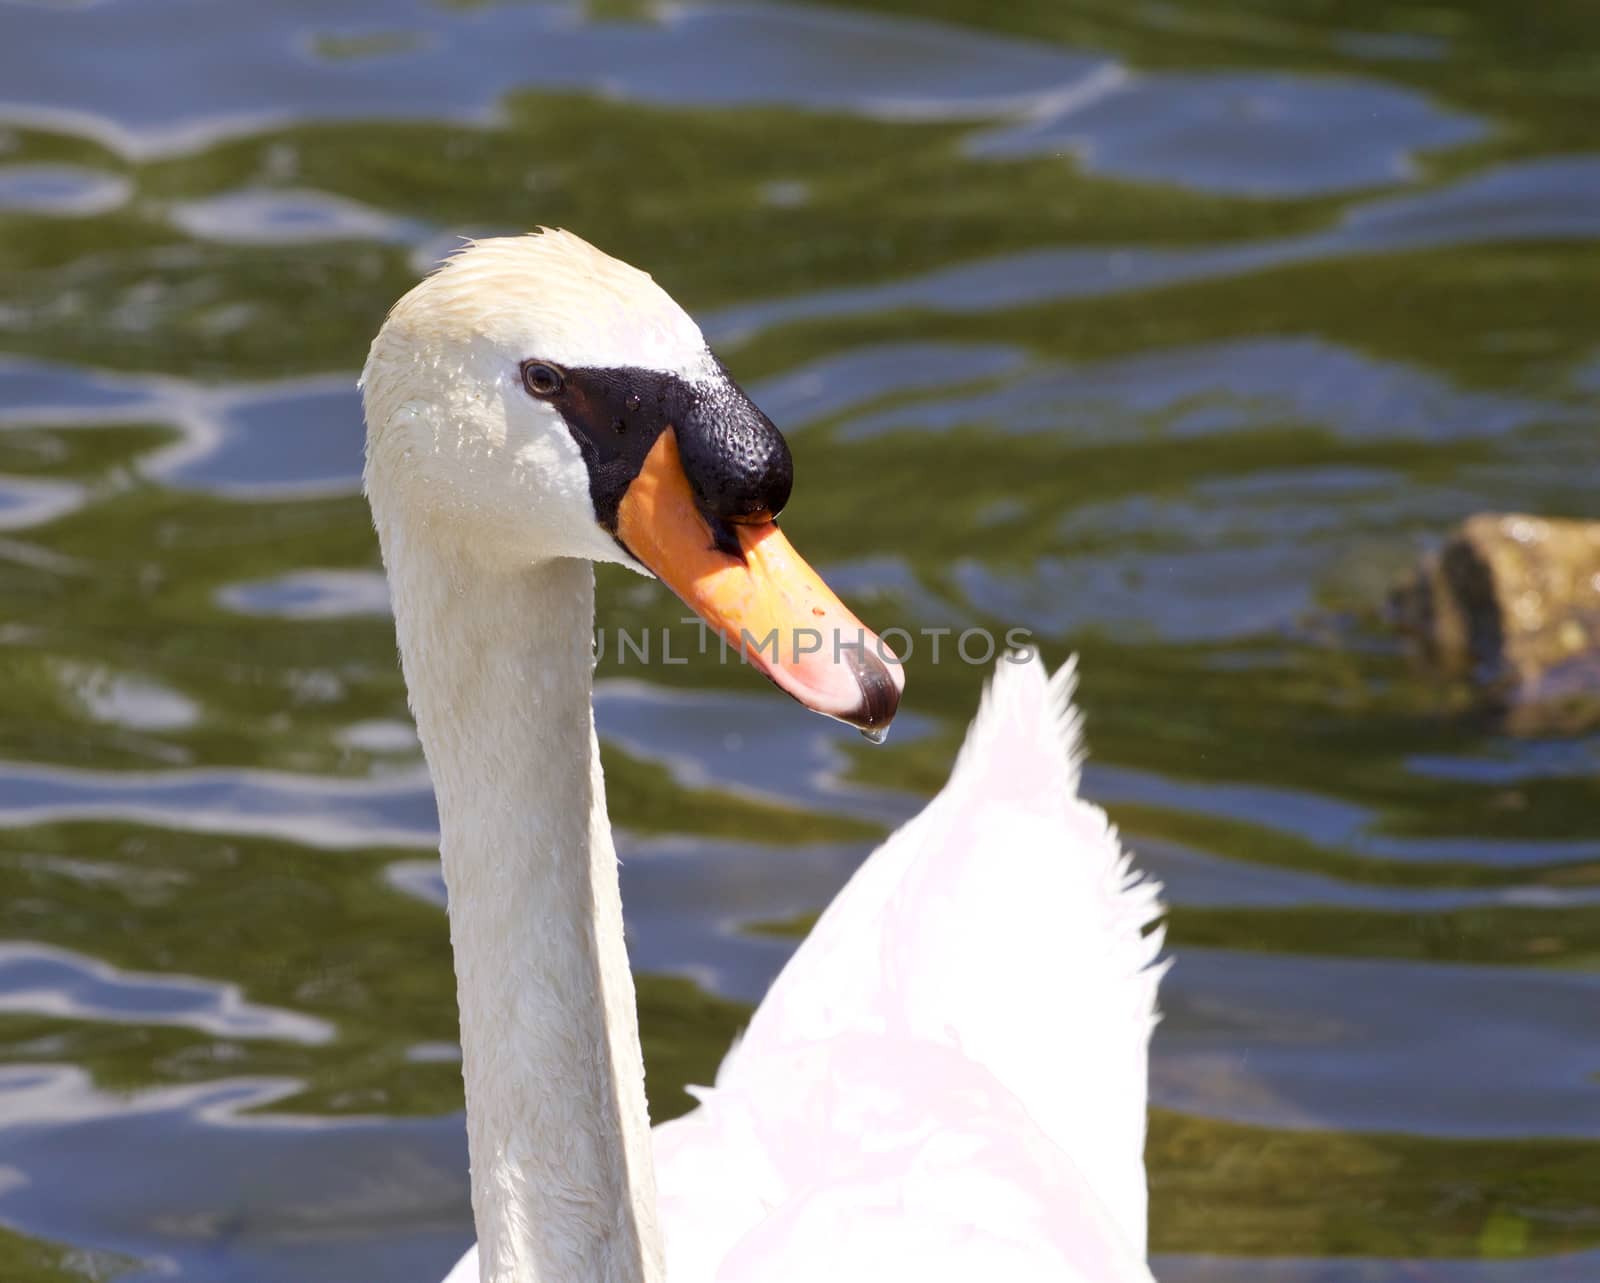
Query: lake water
[[1169, 332]]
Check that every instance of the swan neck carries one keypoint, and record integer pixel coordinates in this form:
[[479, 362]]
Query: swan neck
[[499, 661]]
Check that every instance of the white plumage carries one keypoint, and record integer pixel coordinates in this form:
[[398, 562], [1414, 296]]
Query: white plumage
[[947, 1082]]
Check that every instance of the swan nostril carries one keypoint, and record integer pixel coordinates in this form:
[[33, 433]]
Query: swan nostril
[[619, 425], [756, 516]]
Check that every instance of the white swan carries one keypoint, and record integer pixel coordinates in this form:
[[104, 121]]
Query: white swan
[[948, 1080]]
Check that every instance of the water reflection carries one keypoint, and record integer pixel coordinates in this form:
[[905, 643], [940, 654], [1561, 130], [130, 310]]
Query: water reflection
[[1250, 1043], [1223, 387], [1547, 199], [311, 594], [262, 67], [1252, 134], [54, 982], [60, 190], [286, 218]]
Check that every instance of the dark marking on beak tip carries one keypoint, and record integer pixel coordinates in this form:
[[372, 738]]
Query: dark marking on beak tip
[[880, 697]]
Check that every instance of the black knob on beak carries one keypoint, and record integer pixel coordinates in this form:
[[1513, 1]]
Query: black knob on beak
[[737, 462]]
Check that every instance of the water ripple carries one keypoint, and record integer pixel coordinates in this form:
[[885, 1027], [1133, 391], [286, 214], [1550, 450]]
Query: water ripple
[[311, 594], [1237, 385], [702, 738], [1325, 821], [1570, 1268], [69, 191], [1425, 1049], [1261, 134], [249, 71], [275, 1196], [312, 810], [1546, 199], [55, 982], [278, 217]]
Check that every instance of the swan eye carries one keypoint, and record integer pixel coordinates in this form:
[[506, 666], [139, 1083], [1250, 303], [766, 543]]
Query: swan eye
[[540, 379]]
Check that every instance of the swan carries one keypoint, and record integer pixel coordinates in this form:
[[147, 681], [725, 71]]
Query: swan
[[948, 1079]]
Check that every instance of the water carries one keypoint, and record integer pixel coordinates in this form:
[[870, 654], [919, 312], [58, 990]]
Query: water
[[1169, 333]]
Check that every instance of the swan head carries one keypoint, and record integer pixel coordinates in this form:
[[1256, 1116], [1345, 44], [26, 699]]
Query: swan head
[[535, 398]]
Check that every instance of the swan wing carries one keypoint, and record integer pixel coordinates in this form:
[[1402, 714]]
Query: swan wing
[[950, 1075]]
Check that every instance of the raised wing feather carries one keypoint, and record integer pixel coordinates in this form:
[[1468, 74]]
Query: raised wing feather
[[952, 1069]]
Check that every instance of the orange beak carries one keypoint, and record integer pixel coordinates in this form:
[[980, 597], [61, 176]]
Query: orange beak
[[766, 602]]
